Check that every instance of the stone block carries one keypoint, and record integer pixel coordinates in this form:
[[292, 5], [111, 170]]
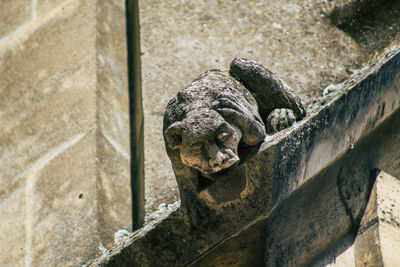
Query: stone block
[[64, 144], [377, 241]]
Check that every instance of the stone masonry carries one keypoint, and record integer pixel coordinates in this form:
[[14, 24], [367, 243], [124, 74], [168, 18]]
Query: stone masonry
[[64, 138]]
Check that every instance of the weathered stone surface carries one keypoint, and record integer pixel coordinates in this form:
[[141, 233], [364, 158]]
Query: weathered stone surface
[[349, 176], [341, 135], [366, 101], [113, 134], [245, 248], [367, 22], [317, 215], [295, 39], [177, 241], [309, 230], [291, 38], [64, 143]]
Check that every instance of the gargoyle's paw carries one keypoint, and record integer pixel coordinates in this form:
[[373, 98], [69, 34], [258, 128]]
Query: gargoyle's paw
[[231, 114], [228, 95], [224, 103], [240, 118], [280, 119], [253, 131]]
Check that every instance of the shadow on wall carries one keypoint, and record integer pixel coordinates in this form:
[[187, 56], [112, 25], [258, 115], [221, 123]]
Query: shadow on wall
[[372, 24]]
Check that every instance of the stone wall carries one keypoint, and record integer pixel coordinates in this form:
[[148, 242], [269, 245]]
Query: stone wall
[[64, 140]]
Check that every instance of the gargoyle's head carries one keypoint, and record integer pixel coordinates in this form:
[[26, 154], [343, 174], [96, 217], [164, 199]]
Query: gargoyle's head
[[206, 141]]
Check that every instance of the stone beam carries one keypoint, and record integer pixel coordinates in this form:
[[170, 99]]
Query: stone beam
[[322, 211], [329, 206], [283, 163]]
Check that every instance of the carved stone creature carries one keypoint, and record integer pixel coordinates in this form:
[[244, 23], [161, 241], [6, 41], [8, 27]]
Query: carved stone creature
[[214, 123], [207, 120], [214, 117]]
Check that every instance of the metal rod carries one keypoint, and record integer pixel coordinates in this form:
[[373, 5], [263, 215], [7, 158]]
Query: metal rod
[[136, 113]]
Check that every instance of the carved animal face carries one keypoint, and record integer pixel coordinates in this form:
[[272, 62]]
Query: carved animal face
[[206, 141]]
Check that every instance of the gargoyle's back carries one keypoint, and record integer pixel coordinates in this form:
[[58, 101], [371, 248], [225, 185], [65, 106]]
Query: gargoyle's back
[[202, 92]]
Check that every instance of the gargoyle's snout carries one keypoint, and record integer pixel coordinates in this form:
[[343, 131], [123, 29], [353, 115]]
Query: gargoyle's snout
[[220, 159]]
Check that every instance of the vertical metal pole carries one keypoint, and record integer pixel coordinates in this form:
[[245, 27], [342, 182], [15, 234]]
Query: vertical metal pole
[[136, 113]]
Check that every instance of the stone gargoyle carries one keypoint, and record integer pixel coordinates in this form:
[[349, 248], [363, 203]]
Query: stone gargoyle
[[219, 116]]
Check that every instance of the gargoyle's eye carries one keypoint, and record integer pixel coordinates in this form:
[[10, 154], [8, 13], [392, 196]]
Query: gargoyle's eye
[[224, 136]]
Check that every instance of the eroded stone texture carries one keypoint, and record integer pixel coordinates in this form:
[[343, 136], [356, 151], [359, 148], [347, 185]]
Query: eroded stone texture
[[64, 143], [326, 159]]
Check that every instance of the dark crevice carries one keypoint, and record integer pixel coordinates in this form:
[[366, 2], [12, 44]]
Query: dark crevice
[[245, 151], [343, 200], [372, 178], [203, 182]]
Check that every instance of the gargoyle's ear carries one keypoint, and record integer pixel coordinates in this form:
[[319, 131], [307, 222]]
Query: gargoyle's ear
[[173, 135]]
